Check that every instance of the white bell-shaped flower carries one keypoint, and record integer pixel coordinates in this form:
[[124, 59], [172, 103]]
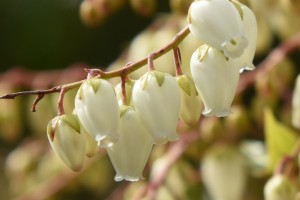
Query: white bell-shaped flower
[[131, 152], [98, 111], [190, 101], [156, 98], [279, 187], [216, 78], [218, 24], [67, 141], [250, 28], [224, 173]]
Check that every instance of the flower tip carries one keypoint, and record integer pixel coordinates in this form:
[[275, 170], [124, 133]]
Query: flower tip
[[119, 178], [220, 113], [250, 66], [76, 168]]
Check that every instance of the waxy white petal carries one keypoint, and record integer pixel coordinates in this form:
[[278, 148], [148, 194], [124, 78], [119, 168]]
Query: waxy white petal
[[250, 28], [156, 98], [130, 153], [218, 24], [98, 111], [216, 79]]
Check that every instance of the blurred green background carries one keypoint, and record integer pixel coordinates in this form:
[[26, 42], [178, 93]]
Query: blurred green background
[[48, 34]]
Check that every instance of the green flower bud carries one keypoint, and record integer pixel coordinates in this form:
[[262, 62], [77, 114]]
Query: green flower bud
[[67, 141], [190, 102], [238, 122], [90, 13]]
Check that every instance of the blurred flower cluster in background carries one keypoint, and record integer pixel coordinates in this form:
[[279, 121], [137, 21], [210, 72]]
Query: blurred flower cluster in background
[[49, 43]]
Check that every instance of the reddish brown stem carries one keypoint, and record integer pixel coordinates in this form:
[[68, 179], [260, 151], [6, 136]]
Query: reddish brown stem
[[123, 88], [60, 102], [127, 69], [150, 63], [177, 60]]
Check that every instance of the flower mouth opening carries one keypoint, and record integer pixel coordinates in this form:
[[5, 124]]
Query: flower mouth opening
[[235, 46]]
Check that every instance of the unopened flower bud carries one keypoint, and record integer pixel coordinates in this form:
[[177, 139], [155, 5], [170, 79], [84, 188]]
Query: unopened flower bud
[[67, 141], [180, 6], [211, 129], [279, 187], [110, 6], [218, 24], [97, 109], [216, 79], [223, 171], [130, 154], [90, 13], [190, 101], [144, 7], [238, 122], [156, 98]]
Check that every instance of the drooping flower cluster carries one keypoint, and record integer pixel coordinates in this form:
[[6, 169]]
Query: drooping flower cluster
[[129, 119], [229, 30]]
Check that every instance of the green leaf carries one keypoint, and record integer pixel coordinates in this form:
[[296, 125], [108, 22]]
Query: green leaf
[[280, 139]]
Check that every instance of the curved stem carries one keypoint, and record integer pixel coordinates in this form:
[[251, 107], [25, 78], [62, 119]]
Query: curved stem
[[127, 69], [123, 88], [150, 63], [177, 60], [60, 102]]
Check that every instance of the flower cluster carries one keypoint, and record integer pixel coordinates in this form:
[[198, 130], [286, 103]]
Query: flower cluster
[[229, 31], [129, 119]]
